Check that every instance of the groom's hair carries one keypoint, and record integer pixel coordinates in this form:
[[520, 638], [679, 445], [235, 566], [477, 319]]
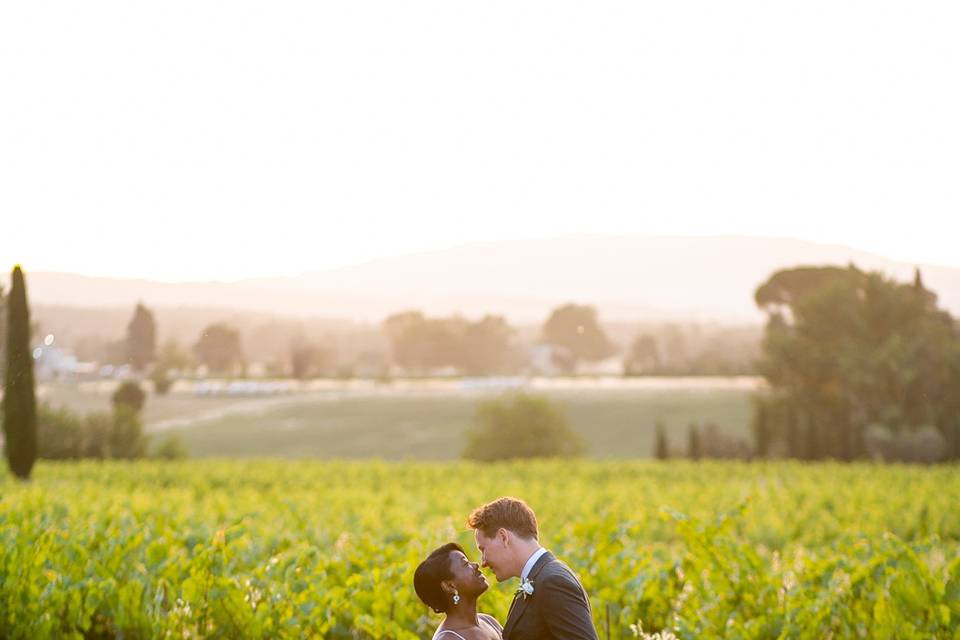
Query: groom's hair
[[512, 514], [431, 572]]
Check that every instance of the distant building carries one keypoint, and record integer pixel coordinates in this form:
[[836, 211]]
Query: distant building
[[612, 366], [50, 362], [543, 358]]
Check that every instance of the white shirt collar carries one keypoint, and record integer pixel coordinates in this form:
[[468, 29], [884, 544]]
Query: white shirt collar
[[527, 568]]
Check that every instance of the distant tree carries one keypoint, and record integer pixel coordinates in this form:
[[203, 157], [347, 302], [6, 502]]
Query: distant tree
[[521, 426], [845, 349], [141, 343], [812, 449], [3, 335], [307, 359], [126, 434], [219, 348], [60, 433], [712, 442], [162, 382], [694, 448], [173, 357], [794, 440], [19, 399], [419, 343], [115, 352], [64, 435], [97, 434], [643, 358], [172, 448], [577, 329], [761, 430], [661, 449], [487, 347], [129, 395]]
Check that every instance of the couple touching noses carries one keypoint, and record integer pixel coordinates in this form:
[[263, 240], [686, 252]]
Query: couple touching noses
[[549, 602]]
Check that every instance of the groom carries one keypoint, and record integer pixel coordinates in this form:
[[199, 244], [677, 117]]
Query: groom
[[550, 602]]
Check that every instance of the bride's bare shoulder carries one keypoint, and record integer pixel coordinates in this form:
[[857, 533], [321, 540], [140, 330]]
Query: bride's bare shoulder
[[493, 622]]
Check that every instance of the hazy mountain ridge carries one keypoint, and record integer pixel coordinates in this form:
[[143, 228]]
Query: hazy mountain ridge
[[628, 278]]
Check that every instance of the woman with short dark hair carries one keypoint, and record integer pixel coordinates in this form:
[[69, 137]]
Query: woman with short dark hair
[[449, 583]]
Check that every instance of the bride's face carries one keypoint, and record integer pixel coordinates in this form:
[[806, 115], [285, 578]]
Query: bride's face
[[466, 575]]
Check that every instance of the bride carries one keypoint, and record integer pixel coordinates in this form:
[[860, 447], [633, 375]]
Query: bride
[[449, 583]]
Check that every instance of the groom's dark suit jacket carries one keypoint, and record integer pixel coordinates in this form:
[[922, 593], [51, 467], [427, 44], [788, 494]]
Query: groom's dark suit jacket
[[557, 609]]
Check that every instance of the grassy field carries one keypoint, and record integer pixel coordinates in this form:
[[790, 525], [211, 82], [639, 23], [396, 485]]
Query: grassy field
[[399, 424], [297, 549], [614, 424]]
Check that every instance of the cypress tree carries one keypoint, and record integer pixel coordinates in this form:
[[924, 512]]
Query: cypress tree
[[141, 338], [794, 445], [694, 448], [761, 431], [813, 449], [661, 447], [19, 400]]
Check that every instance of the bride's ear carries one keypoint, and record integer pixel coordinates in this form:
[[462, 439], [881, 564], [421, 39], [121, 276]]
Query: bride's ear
[[448, 587]]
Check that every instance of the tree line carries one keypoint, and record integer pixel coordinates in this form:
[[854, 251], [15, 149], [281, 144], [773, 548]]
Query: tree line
[[858, 366], [305, 348]]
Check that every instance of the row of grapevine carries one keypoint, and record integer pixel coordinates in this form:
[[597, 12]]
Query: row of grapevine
[[268, 549]]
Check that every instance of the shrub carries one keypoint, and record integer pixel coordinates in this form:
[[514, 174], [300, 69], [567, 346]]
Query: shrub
[[129, 394], [126, 434], [924, 445], [65, 435], [162, 382], [172, 448], [521, 426], [96, 434], [60, 433]]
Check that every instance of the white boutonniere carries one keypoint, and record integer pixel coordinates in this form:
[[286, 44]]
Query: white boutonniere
[[525, 589]]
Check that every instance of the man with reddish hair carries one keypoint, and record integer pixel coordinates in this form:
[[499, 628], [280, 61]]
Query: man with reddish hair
[[550, 602]]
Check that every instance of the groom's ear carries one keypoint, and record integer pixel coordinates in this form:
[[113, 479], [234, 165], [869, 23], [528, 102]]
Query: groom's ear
[[503, 535]]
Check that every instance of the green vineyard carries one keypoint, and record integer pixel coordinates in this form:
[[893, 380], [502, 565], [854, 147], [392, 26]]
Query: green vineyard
[[269, 549]]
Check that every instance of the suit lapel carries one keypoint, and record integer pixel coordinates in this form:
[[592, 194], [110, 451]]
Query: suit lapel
[[519, 604]]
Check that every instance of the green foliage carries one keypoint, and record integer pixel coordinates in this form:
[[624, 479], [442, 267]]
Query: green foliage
[[141, 343], [65, 435], [661, 448], [98, 433], [761, 430], [19, 399], [521, 426], [126, 437], [308, 360], [129, 395], [219, 348], [173, 357], [172, 448], [3, 335], [694, 450], [291, 549], [643, 358], [61, 433], [845, 349], [162, 381], [420, 344], [577, 329]]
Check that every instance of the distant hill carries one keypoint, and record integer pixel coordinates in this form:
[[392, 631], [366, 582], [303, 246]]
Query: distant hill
[[629, 278]]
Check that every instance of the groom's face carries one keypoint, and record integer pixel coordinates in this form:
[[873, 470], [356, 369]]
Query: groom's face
[[493, 553]]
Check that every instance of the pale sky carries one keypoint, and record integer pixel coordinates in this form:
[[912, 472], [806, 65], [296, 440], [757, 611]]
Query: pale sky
[[191, 140]]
